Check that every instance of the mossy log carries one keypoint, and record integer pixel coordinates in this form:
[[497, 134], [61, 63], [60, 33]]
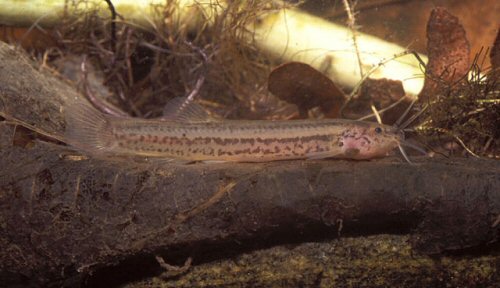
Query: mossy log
[[63, 217]]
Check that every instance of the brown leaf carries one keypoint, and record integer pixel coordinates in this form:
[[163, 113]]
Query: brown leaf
[[304, 86], [448, 51], [382, 93]]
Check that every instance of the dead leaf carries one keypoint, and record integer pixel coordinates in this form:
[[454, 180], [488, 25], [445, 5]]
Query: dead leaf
[[304, 86], [448, 51], [382, 93]]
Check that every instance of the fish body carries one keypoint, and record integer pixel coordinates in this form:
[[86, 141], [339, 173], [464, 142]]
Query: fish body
[[228, 140]]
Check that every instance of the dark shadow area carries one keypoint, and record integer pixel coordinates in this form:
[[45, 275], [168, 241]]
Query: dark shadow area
[[144, 265]]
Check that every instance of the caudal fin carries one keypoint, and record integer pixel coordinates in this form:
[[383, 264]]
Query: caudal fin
[[87, 128]]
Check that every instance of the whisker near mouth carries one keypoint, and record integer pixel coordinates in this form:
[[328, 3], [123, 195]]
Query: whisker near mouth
[[404, 154], [411, 145], [402, 142]]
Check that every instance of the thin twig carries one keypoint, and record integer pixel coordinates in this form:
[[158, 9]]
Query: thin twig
[[97, 102], [377, 115], [382, 111], [113, 24], [30, 29], [171, 270], [351, 23], [365, 76], [449, 133]]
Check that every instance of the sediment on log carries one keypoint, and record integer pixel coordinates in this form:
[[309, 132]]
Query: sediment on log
[[64, 217], [371, 261]]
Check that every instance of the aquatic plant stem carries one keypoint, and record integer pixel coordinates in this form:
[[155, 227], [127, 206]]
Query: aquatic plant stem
[[354, 32]]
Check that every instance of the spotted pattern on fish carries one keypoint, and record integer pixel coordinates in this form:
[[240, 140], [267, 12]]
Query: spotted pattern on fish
[[230, 140]]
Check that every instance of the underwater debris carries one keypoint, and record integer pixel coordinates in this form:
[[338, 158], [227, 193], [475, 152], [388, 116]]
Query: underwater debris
[[306, 87], [385, 95], [463, 99], [146, 68], [467, 113], [448, 51], [275, 28]]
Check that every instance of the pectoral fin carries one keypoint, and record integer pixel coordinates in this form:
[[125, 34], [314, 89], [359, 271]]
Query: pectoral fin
[[322, 155]]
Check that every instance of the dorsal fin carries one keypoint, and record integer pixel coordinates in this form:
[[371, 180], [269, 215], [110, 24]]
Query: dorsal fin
[[183, 109]]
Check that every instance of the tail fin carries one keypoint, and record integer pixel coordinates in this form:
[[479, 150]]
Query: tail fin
[[87, 128]]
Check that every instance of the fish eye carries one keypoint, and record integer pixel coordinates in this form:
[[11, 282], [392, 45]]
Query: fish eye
[[378, 130]]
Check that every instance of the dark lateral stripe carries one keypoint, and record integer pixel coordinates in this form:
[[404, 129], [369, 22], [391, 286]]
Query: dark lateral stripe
[[173, 140], [304, 139]]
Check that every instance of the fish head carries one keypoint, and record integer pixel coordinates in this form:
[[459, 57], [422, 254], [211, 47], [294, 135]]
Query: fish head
[[366, 140]]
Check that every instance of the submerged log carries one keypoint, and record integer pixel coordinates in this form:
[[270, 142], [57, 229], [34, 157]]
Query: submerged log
[[372, 261], [63, 217]]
